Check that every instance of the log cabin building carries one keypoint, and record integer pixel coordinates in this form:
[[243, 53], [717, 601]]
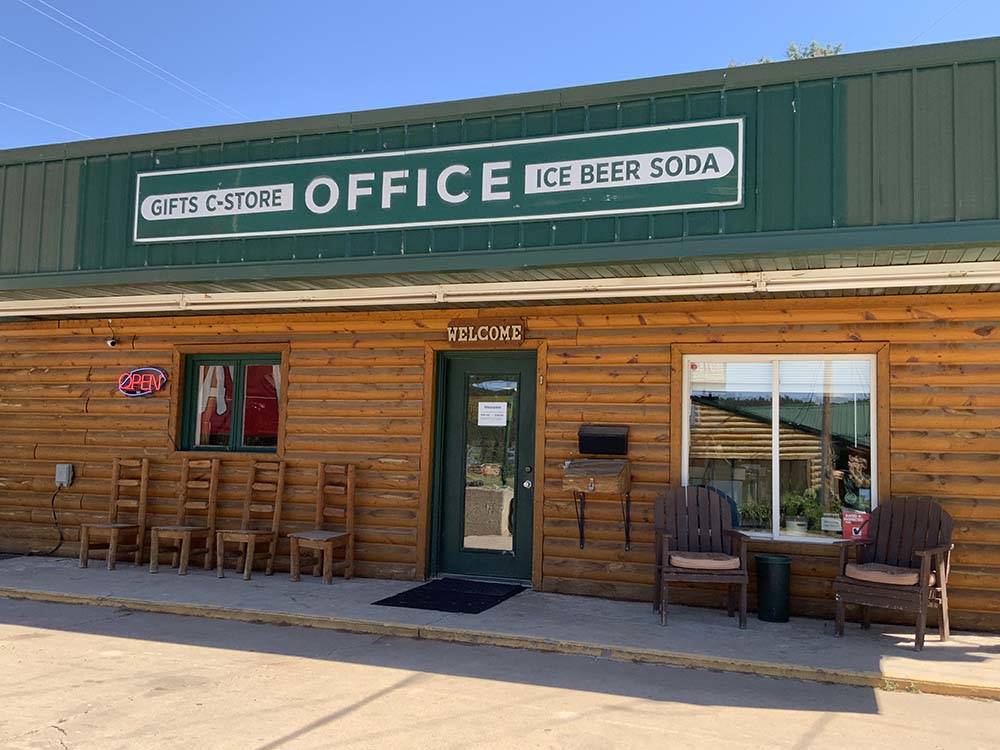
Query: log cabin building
[[783, 278]]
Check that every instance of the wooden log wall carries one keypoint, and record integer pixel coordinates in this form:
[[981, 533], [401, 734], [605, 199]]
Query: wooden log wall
[[357, 393]]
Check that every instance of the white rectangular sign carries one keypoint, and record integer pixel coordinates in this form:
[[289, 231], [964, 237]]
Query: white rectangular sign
[[492, 414], [222, 202], [637, 169]]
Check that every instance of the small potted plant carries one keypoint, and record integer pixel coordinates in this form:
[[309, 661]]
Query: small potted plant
[[755, 514], [793, 512]]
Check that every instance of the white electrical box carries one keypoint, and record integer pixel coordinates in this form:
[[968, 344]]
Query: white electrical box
[[64, 475]]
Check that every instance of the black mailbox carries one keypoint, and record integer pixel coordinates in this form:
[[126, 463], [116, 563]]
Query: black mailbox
[[603, 439]]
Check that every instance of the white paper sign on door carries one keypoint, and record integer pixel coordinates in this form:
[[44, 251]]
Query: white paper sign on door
[[492, 414]]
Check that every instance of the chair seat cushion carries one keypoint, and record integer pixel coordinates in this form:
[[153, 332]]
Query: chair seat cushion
[[317, 535], [887, 574], [704, 561]]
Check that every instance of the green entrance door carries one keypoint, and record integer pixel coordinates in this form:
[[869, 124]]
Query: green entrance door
[[486, 454]]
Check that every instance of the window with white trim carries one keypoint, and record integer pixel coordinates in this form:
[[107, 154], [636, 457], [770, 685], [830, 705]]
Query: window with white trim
[[789, 440]]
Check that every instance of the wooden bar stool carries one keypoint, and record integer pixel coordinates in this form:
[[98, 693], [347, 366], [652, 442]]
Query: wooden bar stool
[[198, 476], [123, 477], [332, 481], [260, 520]]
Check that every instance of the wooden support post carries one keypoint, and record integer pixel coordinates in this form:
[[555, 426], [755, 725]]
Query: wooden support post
[[327, 555], [154, 551], [84, 546], [248, 559], [185, 554], [293, 560], [112, 549], [219, 555]]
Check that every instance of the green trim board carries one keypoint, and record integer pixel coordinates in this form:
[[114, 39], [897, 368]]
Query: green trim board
[[190, 399], [677, 167], [824, 248]]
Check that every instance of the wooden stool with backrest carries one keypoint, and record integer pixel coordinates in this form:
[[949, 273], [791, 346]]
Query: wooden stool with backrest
[[902, 565], [260, 521], [129, 476], [333, 481], [198, 496], [696, 543]]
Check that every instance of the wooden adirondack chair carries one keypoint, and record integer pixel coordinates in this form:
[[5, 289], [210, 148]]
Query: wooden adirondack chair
[[260, 521], [331, 480], [696, 543], [197, 476], [123, 481], [903, 565]]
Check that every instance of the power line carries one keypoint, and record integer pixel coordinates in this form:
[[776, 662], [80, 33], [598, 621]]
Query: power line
[[88, 80], [144, 59], [201, 95], [44, 119], [944, 15]]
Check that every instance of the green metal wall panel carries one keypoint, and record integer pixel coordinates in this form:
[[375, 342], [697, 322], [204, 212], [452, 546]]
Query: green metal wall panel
[[892, 145], [776, 159], [976, 134], [837, 149], [51, 218], [933, 147], [854, 125], [11, 245], [814, 158]]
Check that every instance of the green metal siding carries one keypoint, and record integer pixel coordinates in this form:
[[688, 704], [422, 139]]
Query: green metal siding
[[867, 148]]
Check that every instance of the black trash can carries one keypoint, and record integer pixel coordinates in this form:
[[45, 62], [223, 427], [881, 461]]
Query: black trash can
[[774, 574]]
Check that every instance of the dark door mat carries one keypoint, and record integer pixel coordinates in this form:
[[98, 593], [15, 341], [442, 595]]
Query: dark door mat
[[454, 595]]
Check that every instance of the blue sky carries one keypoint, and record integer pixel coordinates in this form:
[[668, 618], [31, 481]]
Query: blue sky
[[256, 59]]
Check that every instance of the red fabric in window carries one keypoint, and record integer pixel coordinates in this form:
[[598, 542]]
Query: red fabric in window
[[260, 415]]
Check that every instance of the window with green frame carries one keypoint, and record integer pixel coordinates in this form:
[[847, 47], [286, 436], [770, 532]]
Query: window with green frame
[[231, 402]]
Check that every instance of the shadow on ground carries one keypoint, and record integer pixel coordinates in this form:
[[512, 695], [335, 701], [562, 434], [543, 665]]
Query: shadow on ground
[[505, 666]]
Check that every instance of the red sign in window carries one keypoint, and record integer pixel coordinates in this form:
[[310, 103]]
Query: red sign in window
[[143, 381], [855, 523]]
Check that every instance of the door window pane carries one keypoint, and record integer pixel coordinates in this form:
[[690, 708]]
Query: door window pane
[[214, 417], [260, 406], [825, 443], [490, 462], [729, 444]]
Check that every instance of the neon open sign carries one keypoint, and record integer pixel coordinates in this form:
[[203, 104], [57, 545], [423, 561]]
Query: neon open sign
[[142, 381]]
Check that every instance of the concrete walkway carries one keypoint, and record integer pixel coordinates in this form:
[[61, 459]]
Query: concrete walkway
[[968, 665]]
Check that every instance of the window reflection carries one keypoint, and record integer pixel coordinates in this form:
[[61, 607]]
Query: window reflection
[[824, 445], [825, 453], [730, 435]]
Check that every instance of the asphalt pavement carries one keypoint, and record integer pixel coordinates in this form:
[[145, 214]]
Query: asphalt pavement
[[75, 676]]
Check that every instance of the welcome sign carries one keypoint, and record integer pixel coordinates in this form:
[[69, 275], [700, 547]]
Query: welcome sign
[[675, 167]]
